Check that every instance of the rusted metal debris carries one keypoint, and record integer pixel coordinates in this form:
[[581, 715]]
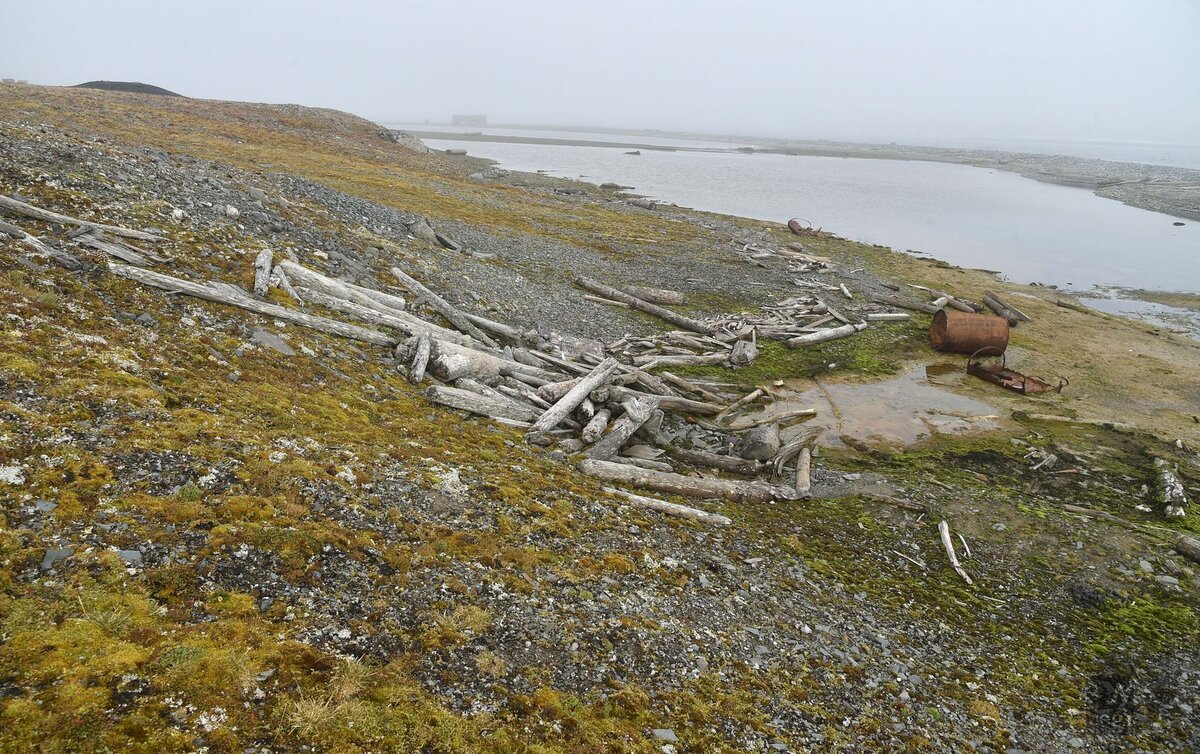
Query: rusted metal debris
[[800, 229], [953, 331], [1009, 378]]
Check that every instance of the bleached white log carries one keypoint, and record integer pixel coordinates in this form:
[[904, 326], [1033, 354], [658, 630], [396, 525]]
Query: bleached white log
[[37, 213], [594, 429], [465, 400], [641, 305], [660, 296], [420, 360], [804, 471], [402, 321], [888, 317], [637, 412], [744, 423], [832, 333], [732, 464], [685, 485], [384, 303], [667, 402], [323, 324], [576, 395]]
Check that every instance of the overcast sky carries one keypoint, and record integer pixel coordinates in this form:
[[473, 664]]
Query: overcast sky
[[843, 69]]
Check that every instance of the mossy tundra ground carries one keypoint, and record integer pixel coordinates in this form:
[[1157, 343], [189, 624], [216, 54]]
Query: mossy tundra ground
[[208, 546]]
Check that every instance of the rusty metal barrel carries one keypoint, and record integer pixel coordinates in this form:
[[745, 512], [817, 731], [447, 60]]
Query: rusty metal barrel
[[958, 332]]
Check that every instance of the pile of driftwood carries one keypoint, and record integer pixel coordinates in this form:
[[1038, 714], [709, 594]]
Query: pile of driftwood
[[607, 407], [940, 300]]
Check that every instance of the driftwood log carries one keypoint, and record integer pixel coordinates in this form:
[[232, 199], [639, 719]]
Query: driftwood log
[[659, 296], [420, 359], [661, 481], [322, 324], [465, 400], [402, 321], [804, 471], [668, 402], [120, 251], [1188, 547], [442, 307], [637, 412], [28, 210], [262, 272], [382, 302], [670, 509], [1017, 313], [594, 429], [732, 464], [821, 336], [641, 305], [576, 395], [916, 306]]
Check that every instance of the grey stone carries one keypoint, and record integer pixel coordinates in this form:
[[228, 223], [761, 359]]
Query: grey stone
[[132, 557], [1166, 580], [257, 194], [1076, 742], [665, 734], [744, 352], [145, 320], [1146, 566], [422, 230], [44, 506], [54, 556], [760, 443], [270, 340]]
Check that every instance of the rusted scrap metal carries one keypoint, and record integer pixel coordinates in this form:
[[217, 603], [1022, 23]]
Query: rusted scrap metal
[[1009, 378], [953, 331], [800, 229]]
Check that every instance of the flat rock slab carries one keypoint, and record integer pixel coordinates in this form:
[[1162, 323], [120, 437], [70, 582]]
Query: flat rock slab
[[268, 339], [55, 556]]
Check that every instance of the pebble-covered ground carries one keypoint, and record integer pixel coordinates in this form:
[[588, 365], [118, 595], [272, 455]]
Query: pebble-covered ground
[[219, 532]]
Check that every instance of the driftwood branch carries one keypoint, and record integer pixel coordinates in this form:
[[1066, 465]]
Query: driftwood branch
[[670, 509], [948, 545]]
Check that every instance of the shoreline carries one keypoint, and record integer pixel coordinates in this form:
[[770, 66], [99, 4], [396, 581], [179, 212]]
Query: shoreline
[[1172, 191], [1151, 310]]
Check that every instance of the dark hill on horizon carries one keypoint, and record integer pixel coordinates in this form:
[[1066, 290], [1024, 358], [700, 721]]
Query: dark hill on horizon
[[136, 87]]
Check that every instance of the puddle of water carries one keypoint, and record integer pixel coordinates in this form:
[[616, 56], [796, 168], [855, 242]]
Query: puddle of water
[[900, 411]]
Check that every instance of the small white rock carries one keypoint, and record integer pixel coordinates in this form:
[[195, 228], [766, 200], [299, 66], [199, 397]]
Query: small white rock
[[14, 475]]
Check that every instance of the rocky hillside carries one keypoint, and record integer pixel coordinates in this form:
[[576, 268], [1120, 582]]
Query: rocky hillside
[[223, 531]]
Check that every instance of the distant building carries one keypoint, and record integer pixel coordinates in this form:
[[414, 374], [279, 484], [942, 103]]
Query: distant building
[[10, 81], [469, 120]]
